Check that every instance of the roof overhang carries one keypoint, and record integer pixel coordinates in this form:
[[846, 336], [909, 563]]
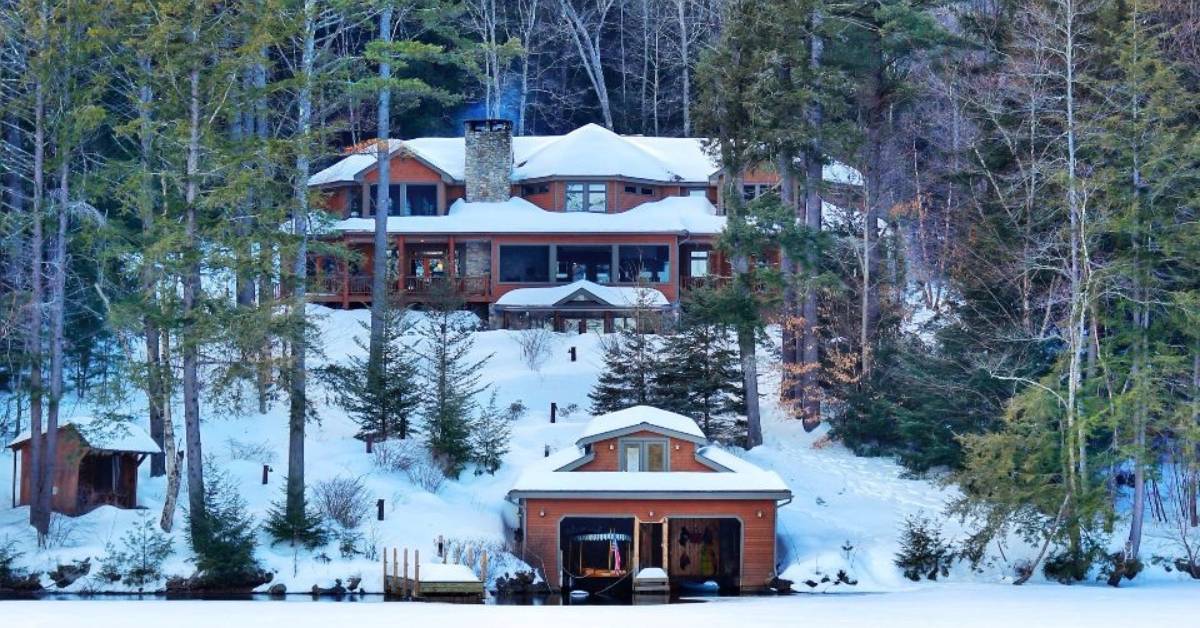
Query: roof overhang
[[673, 495], [641, 427]]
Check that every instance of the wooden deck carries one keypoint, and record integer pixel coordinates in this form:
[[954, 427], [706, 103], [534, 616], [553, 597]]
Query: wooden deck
[[653, 580], [434, 580]]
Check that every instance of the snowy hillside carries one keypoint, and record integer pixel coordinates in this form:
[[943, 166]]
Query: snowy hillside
[[845, 515]]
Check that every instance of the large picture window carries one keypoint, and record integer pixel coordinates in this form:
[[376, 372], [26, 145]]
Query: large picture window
[[415, 199], [586, 197], [593, 263], [524, 264], [651, 264]]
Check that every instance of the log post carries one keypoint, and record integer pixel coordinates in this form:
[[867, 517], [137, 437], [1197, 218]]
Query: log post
[[416, 573], [553, 411], [404, 583], [395, 568], [379, 509], [383, 583], [483, 569]]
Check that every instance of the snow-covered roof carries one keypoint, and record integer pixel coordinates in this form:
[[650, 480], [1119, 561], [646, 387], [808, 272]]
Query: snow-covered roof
[[105, 434], [637, 418], [675, 214], [589, 151], [659, 484], [615, 296], [594, 151]]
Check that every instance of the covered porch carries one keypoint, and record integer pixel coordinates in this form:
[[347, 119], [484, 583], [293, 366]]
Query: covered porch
[[417, 269]]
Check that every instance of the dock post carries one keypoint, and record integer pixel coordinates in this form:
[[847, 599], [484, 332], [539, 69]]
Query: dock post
[[483, 565], [383, 583], [416, 573], [404, 582], [395, 567]]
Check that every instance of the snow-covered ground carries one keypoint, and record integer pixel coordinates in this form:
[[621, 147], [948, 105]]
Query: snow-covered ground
[[846, 513], [945, 606]]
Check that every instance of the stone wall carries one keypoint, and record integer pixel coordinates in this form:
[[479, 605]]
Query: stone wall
[[488, 146]]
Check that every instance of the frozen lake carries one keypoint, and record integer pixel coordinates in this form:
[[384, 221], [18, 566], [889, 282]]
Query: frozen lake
[[933, 606]]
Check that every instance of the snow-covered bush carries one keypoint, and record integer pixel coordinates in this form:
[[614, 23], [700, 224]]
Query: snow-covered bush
[[427, 474], [260, 452], [924, 553], [13, 578], [306, 529], [138, 562], [343, 500], [536, 344], [397, 455]]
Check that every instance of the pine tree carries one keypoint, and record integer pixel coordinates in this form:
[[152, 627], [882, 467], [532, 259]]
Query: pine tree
[[223, 538], [700, 375], [450, 380], [489, 438], [631, 366], [387, 410]]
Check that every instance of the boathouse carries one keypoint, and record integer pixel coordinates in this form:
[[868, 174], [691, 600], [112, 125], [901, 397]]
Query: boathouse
[[643, 490]]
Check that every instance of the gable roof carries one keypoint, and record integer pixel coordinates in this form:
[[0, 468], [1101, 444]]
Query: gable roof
[[583, 290], [104, 434], [589, 151], [641, 418]]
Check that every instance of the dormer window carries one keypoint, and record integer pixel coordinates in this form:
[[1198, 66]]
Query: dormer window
[[643, 455], [586, 197]]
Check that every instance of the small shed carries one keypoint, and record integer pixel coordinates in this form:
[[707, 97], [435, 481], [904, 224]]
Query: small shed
[[96, 464]]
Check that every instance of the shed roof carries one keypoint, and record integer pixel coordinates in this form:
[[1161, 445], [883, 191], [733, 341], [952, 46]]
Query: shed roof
[[104, 433]]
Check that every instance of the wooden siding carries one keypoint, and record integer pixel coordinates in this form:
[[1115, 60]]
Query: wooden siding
[[543, 516], [606, 454], [71, 451]]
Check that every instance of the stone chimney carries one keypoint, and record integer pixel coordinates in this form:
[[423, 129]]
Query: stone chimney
[[489, 160]]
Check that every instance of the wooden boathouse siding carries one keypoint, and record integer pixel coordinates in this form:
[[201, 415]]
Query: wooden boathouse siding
[[543, 516]]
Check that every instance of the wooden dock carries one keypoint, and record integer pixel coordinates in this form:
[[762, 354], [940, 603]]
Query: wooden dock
[[651, 580], [433, 580]]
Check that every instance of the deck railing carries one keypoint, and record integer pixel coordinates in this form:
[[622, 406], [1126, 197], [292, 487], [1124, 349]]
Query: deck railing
[[359, 285]]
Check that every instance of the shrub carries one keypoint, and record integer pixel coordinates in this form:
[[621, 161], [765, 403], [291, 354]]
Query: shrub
[[397, 455], [260, 452], [516, 410], [536, 346], [307, 529], [427, 474], [1069, 567], [923, 552], [139, 561], [1117, 566], [14, 578], [489, 438], [342, 500], [223, 537]]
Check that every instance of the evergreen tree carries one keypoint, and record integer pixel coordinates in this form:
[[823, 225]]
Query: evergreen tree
[[489, 438], [306, 529], [383, 411], [700, 375], [631, 366], [450, 379], [223, 539]]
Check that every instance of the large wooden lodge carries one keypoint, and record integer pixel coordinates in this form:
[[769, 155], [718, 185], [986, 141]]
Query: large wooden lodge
[[642, 498], [491, 214]]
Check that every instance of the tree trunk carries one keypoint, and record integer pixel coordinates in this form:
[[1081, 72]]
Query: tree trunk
[[191, 294], [811, 359], [297, 403], [685, 67], [379, 279], [39, 515], [149, 279], [170, 451], [58, 284]]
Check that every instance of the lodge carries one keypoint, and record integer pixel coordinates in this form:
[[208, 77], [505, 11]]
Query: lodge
[[488, 214], [643, 500], [96, 464]]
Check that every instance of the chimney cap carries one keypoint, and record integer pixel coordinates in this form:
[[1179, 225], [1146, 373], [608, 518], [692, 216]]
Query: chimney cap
[[488, 124]]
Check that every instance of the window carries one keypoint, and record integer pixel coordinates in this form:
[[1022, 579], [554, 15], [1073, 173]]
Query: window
[[408, 199], [644, 455], [586, 197], [644, 263], [647, 191], [593, 263], [698, 263], [420, 200], [356, 201], [631, 189], [696, 192], [538, 188], [524, 264], [755, 190]]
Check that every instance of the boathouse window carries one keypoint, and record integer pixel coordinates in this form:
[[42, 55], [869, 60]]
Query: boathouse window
[[586, 197], [644, 263], [643, 455], [524, 264]]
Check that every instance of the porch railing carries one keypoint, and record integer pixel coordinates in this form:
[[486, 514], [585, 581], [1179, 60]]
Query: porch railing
[[359, 285]]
